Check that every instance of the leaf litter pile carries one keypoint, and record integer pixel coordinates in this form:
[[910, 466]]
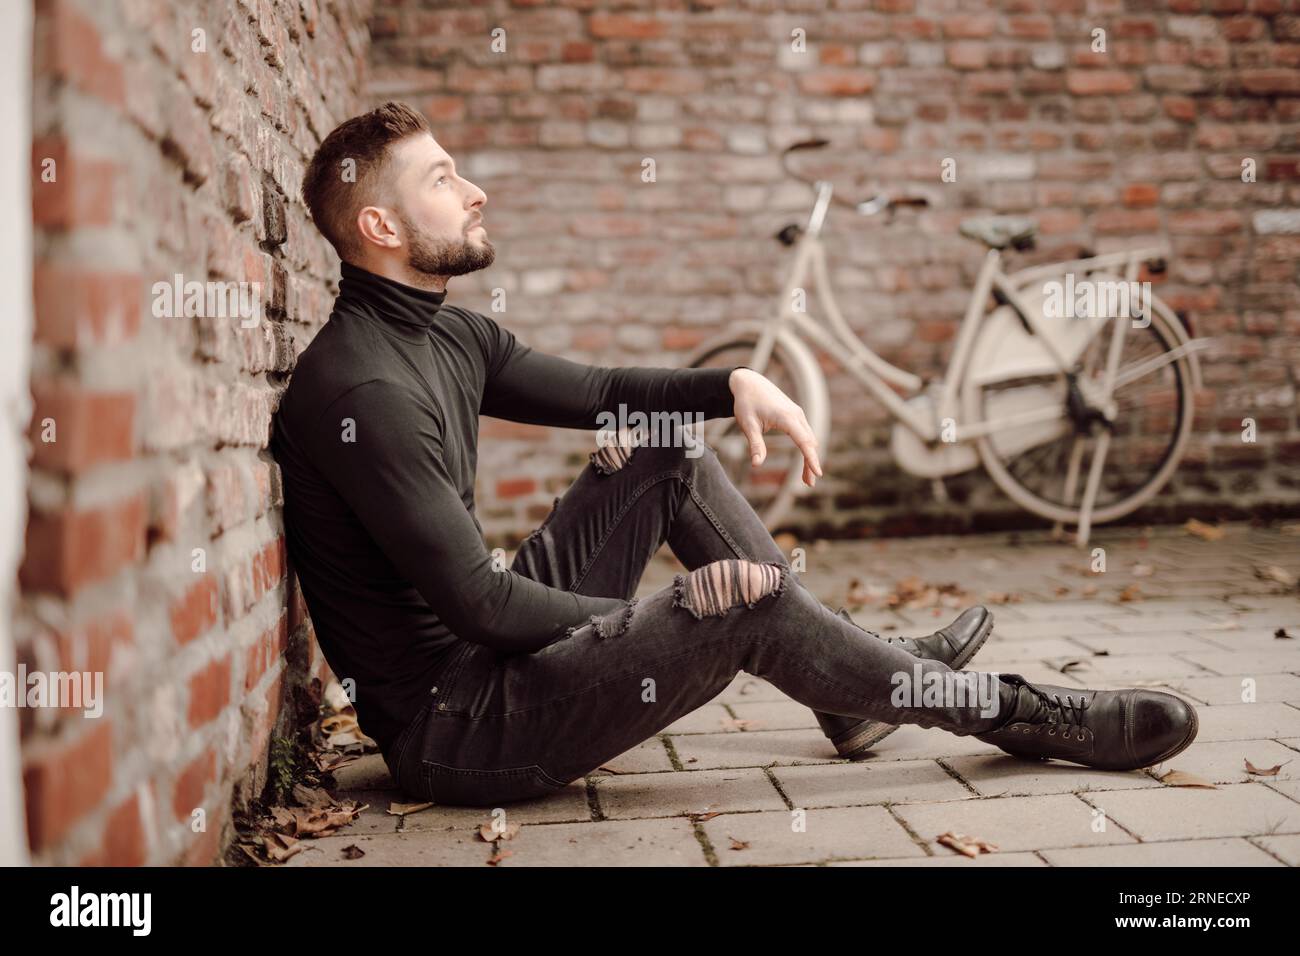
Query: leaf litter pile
[[307, 810], [909, 594]]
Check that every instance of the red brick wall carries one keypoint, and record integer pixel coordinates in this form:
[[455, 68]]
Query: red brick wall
[[174, 151], [1108, 150]]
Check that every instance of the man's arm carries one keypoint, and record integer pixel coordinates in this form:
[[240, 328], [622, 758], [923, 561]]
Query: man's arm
[[393, 478], [524, 385]]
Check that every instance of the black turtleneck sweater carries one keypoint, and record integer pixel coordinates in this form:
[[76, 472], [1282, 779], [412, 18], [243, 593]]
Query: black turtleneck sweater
[[376, 437]]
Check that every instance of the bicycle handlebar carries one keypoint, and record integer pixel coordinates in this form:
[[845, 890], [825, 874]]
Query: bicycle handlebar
[[866, 207]]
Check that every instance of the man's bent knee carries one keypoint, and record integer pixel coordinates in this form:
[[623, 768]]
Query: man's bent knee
[[713, 589]]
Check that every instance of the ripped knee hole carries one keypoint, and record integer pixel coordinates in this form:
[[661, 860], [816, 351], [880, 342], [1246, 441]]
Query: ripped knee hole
[[713, 589], [614, 450], [608, 625]]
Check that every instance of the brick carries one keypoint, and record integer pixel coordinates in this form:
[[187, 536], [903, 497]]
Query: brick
[[89, 646], [837, 82], [863, 783], [515, 488], [1174, 813], [1141, 194], [1270, 82], [265, 651], [63, 785], [68, 45], [88, 428], [969, 55], [649, 80], [78, 306], [196, 611], [1098, 82], [607, 26], [228, 505], [209, 691], [126, 841], [237, 190], [1126, 221], [969, 26], [267, 568], [1189, 853], [81, 192], [192, 784], [204, 848], [769, 839], [68, 550], [1205, 222], [674, 794], [1015, 823]]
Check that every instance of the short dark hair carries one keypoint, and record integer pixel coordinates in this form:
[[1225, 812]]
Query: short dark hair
[[335, 201]]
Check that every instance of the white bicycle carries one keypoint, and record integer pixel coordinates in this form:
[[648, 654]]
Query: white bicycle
[[1028, 394]]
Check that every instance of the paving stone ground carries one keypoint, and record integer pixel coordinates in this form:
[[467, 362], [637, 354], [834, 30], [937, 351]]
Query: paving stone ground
[[749, 780]]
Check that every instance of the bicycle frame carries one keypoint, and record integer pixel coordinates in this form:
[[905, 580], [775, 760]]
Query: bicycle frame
[[877, 375]]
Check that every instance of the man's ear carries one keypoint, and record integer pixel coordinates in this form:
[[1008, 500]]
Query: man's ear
[[379, 226]]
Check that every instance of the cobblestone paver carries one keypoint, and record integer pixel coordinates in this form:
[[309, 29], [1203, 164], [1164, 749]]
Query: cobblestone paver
[[748, 779]]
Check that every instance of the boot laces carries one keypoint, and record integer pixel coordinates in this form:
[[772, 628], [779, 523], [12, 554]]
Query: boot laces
[[1068, 715]]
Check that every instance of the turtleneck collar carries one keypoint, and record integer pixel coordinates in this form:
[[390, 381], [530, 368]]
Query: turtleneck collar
[[404, 310]]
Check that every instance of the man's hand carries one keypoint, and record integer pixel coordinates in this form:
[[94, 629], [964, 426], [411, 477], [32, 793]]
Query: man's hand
[[759, 406]]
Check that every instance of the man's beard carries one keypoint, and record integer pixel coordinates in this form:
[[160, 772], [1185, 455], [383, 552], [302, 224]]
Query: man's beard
[[444, 257]]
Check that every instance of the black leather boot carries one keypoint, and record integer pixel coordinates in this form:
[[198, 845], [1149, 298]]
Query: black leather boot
[[954, 645], [1104, 729]]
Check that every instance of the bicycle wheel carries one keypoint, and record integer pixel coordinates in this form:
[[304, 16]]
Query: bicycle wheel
[[1044, 468], [772, 487]]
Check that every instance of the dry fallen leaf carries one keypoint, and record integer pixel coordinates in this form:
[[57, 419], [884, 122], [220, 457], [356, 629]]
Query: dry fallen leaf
[[1002, 597], [1178, 778], [966, 845], [739, 844], [283, 816], [499, 855], [250, 851], [311, 796], [401, 809], [861, 594], [488, 832], [330, 760], [701, 817], [1277, 575], [1206, 532], [280, 847], [353, 852], [1281, 634], [911, 594], [1130, 593], [314, 821], [1269, 772]]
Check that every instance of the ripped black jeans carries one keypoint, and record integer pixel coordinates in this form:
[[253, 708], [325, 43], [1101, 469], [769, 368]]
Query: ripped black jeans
[[509, 727]]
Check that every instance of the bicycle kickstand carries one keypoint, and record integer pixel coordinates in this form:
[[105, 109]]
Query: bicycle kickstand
[[939, 490]]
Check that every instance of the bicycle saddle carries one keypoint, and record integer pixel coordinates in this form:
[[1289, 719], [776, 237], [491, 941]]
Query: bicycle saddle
[[998, 232]]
